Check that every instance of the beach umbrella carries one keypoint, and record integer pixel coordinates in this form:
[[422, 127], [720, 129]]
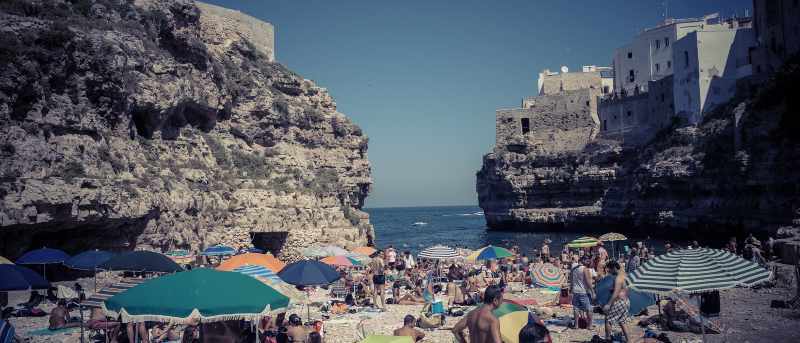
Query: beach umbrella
[[205, 294], [180, 256], [19, 278], [265, 260], [491, 253], [256, 271], [513, 317], [439, 252], [295, 296], [613, 237], [639, 300], [219, 250], [387, 339], [584, 242], [547, 275], [364, 250], [308, 273], [323, 251], [43, 256], [88, 260], [97, 299], [696, 271], [342, 261], [4, 260], [141, 261], [254, 250]]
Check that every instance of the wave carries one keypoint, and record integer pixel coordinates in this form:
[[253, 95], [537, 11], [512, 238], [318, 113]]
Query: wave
[[419, 223]]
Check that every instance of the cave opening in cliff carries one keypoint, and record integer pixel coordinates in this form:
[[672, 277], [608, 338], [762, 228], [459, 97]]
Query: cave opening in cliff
[[269, 241]]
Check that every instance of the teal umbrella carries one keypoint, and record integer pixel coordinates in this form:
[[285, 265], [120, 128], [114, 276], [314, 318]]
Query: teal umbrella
[[205, 294]]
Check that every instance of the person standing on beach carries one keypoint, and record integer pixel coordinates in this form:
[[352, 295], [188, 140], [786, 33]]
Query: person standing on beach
[[582, 289], [391, 256], [617, 308], [546, 251], [377, 268], [483, 326]]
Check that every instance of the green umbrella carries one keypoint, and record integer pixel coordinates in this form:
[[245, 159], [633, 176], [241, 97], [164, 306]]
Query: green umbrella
[[584, 242], [205, 294], [388, 339]]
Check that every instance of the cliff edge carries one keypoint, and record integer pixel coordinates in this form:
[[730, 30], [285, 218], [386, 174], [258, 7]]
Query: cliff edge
[[162, 124], [735, 172]]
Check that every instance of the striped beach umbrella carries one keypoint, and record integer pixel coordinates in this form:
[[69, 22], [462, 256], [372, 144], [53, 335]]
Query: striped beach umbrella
[[265, 260], [364, 250], [97, 299], [584, 242], [439, 252], [257, 271], [547, 275], [4, 260], [489, 253], [219, 250], [696, 271], [341, 261]]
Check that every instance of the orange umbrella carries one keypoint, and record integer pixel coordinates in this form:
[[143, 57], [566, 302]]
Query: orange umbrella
[[265, 260], [364, 250], [342, 261]]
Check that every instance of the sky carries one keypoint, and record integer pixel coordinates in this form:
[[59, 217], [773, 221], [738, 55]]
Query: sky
[[423, 78]]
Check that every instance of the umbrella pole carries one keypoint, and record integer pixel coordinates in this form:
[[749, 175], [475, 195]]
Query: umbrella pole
[[702, 320], [80, 310]]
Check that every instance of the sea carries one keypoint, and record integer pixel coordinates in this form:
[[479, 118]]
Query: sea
[[415, 228]]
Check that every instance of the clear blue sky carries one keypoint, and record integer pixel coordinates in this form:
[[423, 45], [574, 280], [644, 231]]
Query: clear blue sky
[[424, 77]]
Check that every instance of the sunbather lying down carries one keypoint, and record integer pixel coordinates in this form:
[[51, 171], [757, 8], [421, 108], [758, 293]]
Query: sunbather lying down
[[60, 319]]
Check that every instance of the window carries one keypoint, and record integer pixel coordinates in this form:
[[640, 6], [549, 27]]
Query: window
[[662, 97], [605, 89], [631, 76], [630, 55], [669, 64], [658, 68], [658, 44], [526, 125], [629, 113], [605, 124], [686, 59], [666, 42]]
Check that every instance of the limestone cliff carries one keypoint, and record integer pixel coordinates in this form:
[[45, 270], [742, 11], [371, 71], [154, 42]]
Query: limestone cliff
[[735, 172], [166, 124]]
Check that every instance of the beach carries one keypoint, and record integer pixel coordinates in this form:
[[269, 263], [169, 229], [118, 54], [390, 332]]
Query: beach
[[745, 317]]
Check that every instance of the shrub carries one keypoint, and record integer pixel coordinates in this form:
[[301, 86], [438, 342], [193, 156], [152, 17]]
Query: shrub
[[218, 150], [250, 165], [325, 181], [351, 215], [72, 170]]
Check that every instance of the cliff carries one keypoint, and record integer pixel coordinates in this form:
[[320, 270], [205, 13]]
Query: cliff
[[735, 172], [167, 124]]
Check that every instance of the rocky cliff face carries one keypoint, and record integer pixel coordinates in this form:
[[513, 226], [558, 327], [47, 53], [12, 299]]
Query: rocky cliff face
[[736, 172], [160, 124]]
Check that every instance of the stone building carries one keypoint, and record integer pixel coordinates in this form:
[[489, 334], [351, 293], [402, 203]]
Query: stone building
[[777, 30], [708, 65], [649, 56], [589, 77], [635, 119]]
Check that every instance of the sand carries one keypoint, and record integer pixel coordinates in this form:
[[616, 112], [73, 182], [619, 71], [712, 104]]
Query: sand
[[746, 317]]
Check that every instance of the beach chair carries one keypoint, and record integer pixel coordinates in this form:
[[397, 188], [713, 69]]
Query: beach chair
[[339, 290]]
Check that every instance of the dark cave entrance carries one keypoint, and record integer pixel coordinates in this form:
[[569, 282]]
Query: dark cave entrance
[[269, 241]]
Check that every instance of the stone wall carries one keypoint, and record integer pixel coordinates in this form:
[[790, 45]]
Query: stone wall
[[634, 120], [557, 123], [555, 83]]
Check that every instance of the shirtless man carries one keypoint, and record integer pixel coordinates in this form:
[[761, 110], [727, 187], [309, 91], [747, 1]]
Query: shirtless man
[[59, 317], [297, 332], [98, 320], [483, 326], [409, 330]]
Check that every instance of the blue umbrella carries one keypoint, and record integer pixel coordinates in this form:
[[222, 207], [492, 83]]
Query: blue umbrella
[[257, 271], [43, 256], [219, 250], [18, 278], [255, 250], [141, 261], [88, 260], [639, 300], [308, 273]]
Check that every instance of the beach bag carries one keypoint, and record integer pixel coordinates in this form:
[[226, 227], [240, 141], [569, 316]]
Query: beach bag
[[437, 308], [430, 322]]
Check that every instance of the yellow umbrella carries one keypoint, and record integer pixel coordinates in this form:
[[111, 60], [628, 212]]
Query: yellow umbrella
[[387, 339], [4, 260], [584, 242]]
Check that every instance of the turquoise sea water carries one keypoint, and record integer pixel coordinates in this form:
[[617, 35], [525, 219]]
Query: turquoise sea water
[[414, 228]]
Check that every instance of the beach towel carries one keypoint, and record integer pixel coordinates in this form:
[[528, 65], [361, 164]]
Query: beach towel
[[6, 332], [48, 332]]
